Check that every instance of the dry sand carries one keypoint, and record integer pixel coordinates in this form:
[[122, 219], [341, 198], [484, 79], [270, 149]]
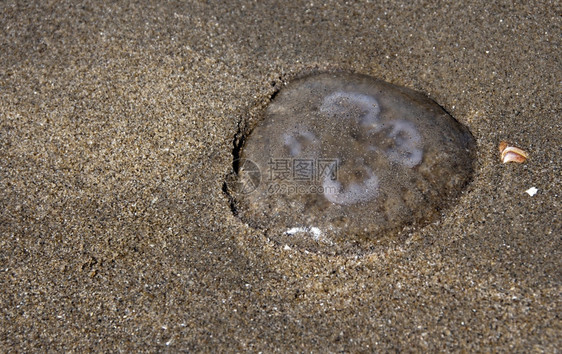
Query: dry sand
[[116, 130]]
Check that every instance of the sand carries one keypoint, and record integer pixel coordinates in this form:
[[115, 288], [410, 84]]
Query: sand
[[116, 134]]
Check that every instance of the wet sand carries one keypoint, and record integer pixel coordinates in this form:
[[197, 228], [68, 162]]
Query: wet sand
[[116, 134]]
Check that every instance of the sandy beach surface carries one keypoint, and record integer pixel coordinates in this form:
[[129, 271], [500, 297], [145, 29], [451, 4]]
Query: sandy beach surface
[[116, 133]]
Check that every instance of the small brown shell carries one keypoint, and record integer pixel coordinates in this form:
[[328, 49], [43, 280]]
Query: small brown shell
[[512, 153]]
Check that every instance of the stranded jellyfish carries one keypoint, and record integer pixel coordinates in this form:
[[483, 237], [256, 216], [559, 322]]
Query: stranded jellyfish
[[340, 163]]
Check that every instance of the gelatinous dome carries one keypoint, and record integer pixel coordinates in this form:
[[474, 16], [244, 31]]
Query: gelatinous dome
[[346, 160]]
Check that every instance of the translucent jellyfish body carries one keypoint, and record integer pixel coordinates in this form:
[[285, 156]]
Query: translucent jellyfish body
[[346, 161]]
